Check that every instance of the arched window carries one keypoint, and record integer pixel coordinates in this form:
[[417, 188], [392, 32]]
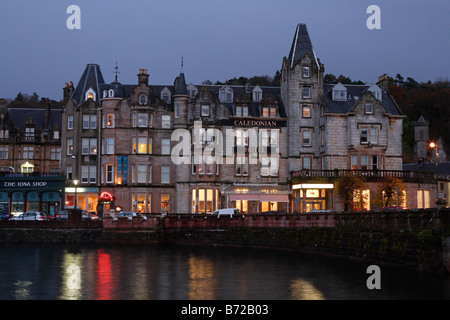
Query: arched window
[[142, 99]]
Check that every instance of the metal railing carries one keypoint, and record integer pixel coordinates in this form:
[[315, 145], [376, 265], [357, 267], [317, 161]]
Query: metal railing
[[372, 175]]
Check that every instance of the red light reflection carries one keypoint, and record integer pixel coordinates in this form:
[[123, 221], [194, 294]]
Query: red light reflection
[[104, 283]]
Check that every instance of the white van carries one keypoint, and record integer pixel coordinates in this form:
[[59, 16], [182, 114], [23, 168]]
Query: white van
[[226, 212]]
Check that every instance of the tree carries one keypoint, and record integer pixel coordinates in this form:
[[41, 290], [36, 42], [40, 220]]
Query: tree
[[350, 188], [387, 195]]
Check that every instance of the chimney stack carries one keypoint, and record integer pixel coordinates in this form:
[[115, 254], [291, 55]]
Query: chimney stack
[[68, 91], [143, 76]]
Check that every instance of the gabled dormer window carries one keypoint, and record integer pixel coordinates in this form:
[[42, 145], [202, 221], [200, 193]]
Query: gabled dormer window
[[90, 94], [226, 94], [376, 91], [192, 90], [257, 94], [339, 92], [166, 95]]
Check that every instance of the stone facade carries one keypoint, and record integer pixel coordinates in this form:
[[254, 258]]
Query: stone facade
[[312, 126]]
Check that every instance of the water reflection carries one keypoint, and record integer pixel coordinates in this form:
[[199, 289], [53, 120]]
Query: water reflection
[[305, 290], [202, 278], [22, 290], [71, 276], [174, 273]]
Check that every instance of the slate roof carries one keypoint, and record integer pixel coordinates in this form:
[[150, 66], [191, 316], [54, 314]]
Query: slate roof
[[301, 45], [357, 91], [20, 116], [443, 167], [255, 106], [92, 78]]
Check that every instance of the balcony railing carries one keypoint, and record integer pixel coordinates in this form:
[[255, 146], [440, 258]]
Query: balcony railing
[[369, 175]]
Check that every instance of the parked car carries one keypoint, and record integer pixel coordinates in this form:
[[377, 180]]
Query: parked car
[[62, 215], [86, 215], [31, 215], [227, 212], [4, 216], [130, 215]]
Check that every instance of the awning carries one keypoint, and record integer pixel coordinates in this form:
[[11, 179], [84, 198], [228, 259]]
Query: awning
[[274, 198], [250, 197]]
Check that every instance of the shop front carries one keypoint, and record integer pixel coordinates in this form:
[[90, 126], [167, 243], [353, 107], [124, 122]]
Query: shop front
[[311, 196], [86, 198], [19, 193], [258, 198]]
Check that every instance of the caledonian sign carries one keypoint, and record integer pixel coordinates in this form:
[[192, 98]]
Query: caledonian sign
[[254, 123]]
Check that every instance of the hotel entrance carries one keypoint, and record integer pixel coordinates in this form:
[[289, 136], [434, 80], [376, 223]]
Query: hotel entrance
[[307, 197]]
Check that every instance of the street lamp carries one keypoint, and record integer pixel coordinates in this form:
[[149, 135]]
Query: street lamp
[[75, 182], [434, 146]]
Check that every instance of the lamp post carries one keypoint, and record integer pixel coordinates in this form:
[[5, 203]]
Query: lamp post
[[434, 146], [75, 182]]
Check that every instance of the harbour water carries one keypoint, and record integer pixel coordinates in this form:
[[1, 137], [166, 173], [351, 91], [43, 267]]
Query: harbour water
[[127, 272]]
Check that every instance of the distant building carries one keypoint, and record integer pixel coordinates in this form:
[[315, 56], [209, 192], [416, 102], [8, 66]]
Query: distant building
[[30, 153]]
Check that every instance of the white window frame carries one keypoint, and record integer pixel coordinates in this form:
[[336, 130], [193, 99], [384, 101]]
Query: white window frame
[[165, 174], [165, 121], [165, 146], [70, 122]]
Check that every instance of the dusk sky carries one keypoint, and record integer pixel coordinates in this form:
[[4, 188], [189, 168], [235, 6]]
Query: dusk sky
[[218, 40]]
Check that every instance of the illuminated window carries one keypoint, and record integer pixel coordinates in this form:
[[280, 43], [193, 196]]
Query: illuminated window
[[361, 200], [69, 146], [165, 203], [142, 144], [269, 112], [88, 146], [110, 120], [306, 111], [242, 205]]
